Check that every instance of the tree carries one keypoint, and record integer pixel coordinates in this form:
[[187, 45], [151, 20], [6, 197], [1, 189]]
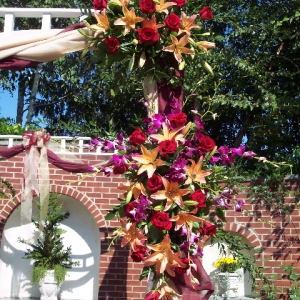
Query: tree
[[253, 91]]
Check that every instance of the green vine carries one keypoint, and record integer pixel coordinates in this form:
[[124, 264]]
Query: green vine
[[5, 185], [236, 247]]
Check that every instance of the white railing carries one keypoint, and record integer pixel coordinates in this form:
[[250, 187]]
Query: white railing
[[10, 13], [59, 144]]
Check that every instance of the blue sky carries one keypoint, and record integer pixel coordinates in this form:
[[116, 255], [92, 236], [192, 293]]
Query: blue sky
[[8, 104]]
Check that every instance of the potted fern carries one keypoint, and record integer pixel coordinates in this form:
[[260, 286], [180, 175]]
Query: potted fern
[[51, 259]]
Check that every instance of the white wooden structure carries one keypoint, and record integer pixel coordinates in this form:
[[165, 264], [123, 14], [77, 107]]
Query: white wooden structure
[[58, 144], [64, 144], [46, 14]]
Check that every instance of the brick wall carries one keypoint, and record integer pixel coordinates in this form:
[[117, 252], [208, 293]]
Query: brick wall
[[118, 276]]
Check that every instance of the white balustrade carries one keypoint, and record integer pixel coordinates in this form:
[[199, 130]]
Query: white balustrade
[[59, 144], [10, 13]]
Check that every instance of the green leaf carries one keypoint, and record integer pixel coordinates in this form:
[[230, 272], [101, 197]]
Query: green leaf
[[110, 216], [219, 38], [220, 213], [129, 196], [131, 63]]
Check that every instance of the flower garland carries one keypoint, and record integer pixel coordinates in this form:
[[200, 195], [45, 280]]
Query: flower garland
[[174, 170], [148, 34]]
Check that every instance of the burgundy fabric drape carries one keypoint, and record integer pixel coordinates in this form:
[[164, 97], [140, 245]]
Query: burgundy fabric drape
[[68, 166], [193, 291], [6, 153], [167, 94], [14, 64]]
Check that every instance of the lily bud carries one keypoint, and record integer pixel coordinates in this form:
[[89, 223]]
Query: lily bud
[[181, 65], [142, 59]]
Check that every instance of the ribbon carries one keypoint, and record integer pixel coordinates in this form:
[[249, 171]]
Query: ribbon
[[35, 163]]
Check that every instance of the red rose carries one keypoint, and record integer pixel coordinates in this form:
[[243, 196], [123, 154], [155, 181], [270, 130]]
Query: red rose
[[180, 2], [100, 4], [183, 270], [206, 13], [208, 229], [172, 22], [137, 138], [147, 6], [128, 208], [154, 183], [206, 143], [199, 197], [167, 147], [152, 295], [121, 169], [138, 255], [148, 34], [178, 120], [161, 220], [112, 44]]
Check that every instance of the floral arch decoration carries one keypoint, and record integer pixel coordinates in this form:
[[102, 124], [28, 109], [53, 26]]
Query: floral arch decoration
[[173, 198]]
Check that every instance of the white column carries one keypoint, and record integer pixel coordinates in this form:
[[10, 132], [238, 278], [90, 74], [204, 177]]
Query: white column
[[46, 21], [9, 22]]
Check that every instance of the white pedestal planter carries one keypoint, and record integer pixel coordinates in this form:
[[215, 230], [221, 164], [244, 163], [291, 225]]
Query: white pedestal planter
[[229, 282], [48, 287]]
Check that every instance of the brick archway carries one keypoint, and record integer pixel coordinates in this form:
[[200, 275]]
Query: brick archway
[[244, 231]]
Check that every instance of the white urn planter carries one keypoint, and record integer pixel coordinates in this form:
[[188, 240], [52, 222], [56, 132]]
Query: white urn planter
[[48, 287], [230, 283]]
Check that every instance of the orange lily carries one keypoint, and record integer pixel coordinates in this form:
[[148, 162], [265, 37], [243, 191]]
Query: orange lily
[[178, 47], [152, 23], [163, 257], [185, 218], [163, 6], [204, 45], [148, 161], [167, 134], [103, 23], [131, 235], [129, 20], [172, 193], [167, 293], [195, 173], [138, 188], [187, 23]]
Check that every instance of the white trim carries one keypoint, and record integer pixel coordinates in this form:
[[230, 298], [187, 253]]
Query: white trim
[[79, 144]]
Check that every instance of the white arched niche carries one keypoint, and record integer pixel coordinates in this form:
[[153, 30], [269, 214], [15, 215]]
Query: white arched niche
[[82, 234], [211, 253]]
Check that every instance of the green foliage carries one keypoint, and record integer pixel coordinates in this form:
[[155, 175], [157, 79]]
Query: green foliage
[[48, 251], [247, 261], [4, 186], [38, 274], [291, 273], [7, 126]]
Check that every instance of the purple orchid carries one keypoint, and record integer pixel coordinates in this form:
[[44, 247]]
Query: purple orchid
[[107, 171], [157, 120], [238, 151], [239, 205], [177, 171], [107, 146], [223, 200], [249, 154]]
